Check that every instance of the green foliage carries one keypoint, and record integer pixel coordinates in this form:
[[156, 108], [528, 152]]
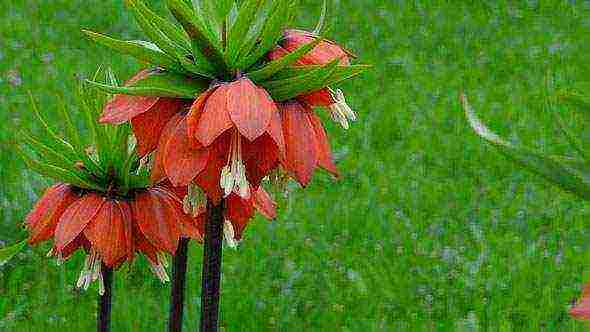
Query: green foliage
[[218, 40], [101, 162], [427, 229], [8, 252], [165, 84], [569, 173]]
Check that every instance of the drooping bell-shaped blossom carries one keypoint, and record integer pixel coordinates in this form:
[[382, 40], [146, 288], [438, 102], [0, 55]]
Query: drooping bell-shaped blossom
[[582, 308], [239, 212], [325, 52], [306, 142], [111, 229], [228, 142], [148, 115]]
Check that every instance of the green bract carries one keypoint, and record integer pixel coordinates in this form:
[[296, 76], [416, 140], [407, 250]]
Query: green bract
[[221, 40], [101, 159], [571, 174]]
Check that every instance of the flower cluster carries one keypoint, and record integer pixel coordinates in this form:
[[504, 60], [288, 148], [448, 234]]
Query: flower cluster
[[111, 229], [237, 111], [224, 104]]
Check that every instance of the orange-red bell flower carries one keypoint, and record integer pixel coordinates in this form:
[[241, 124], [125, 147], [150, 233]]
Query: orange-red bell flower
[[582, 308], [228, 142], [306, 143], [325, 52], [148, 115], [111, 229], [239, 212]]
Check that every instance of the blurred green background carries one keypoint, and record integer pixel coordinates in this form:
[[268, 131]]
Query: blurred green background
[[428, 229]]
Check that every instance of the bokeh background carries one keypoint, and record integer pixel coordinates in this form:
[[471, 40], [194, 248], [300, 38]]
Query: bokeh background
[[428, 229]]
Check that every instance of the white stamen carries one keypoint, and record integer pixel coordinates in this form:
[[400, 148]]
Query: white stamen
[[60, 258], [233, 174], [50, 252], [340, 112], [194, 200], [158, 268], [91, 272], [100, 285], [229, 235]]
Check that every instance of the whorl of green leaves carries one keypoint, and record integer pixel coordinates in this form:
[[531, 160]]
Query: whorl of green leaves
[[99, 158], [571, 174], [221, 39]]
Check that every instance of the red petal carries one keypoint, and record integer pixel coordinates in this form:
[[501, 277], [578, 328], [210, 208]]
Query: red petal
[[183, 161], [106, 232], [157, 220], [208, 180], [301, 155], [260, 158], [143, 245], [192, 227], [250, 108], [158, 172], [128, 221], [264, 204], [277, 53], [275, 130], [78, 242], [239, 211], [180, 192], [123, 108], [214, 119], [43, 219], [320, 98], [148, 126], [75, 219], [322, 145], [582, 308], [325, 52], [196, 110]]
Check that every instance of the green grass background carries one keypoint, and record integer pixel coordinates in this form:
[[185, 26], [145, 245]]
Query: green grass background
[[428, 229]]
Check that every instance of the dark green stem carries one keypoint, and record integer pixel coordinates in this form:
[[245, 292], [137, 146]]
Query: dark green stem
[[211, 276]]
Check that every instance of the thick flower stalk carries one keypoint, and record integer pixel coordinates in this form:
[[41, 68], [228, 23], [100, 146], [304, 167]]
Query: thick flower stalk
[[228, 99]]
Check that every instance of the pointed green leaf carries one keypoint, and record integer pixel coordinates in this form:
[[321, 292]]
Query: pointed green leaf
[[202, 38], [8, 252], [155, 34], [571, 175], [53, 156], [173, 32], [141, 50], [271, 33], [238, 31], [289, 88], [319, 28], [275, 66], [578, 97], [71, 130], [251, 35], [54, 141], [163, 84], [341, 73], [57, 173], [217, 9], [575, 141]]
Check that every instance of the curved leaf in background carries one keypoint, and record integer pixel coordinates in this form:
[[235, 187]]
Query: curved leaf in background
[[7, 253], [570, 174]]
